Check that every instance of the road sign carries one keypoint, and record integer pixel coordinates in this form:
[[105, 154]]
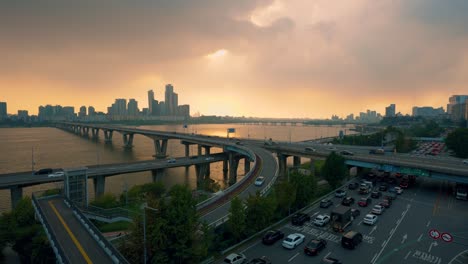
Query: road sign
[[434, 234], [447, 237]]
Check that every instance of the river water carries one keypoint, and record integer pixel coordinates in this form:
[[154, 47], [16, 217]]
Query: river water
[[55, 148]]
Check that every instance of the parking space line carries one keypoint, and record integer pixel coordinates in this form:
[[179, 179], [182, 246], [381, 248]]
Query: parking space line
[[293, 257], [254, 244]]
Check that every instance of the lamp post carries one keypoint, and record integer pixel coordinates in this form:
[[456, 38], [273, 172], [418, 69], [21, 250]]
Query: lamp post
[[144, 230]]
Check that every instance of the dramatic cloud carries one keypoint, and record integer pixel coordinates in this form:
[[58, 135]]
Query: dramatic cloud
[[304, 58]]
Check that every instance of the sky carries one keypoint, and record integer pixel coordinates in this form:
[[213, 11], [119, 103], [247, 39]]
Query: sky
[[262, 58]]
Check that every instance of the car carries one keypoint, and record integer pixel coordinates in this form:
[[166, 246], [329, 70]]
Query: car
[[351, 239], [330, 260], [386, 203], [259, 181], [272, 236], [332, 148], [378, 209], [262, 260], [340, 193], [404, 184], [347, 153], [383, 187], [171, 160], [347, 201], [56, 174], [398, 190], [465, 161], [364, 202], [376, 194], [321, 220], [353, 186], [209, 158], [370, 219], [235, 258], [355, 212], [390, 196], [314, 246], [44, 171], [325, 203], [391, 180], [293, 240], [310, 149], [299, 219], [398, 175]]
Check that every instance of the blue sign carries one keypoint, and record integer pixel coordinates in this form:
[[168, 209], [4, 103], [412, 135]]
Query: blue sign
[[231, 130]]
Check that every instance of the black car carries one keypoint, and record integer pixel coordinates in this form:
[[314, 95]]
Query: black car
[[383, 187], [315, 246], [330, 260], [272, 236], [262, 260], [43, 171], [325, 203], [300, 218], [376, 194], [353, 186], [355, 212], [351, 239], [347, 201]]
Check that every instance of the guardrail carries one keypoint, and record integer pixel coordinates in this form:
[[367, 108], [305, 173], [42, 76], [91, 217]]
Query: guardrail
[[58, 251], [113, 253], [110, 213]]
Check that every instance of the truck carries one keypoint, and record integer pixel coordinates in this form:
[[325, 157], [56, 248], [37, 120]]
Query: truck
[[365, 187], [341, 217]]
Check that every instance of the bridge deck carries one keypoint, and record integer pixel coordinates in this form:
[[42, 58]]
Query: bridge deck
[[73, 238]]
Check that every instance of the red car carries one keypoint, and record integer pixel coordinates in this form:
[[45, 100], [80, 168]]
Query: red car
[[364, 202], [386, 203], [404, 185]]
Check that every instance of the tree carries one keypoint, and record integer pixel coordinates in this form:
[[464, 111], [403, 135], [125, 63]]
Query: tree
[[334, 169], [236, 220], [457, 141], [107, 200], [260, 212], [285, 196], [306, 186]]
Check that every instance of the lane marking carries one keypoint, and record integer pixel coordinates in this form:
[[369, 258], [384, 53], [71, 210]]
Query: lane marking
[[428, 223], [254, 244], [293, 257], [420, 237], [328, 254], [407, 255], [72, 236]]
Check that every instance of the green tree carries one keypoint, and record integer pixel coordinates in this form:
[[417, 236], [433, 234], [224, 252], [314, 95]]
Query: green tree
[[107, 200], [306, 186], [285, 196], [260, 212], [334, 169], [236, 220], [457, 141]]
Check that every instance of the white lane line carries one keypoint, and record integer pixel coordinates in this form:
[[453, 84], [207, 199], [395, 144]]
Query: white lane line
[[373, 229], [359, 223], [408, 206], [383, 244], [428, 223], [420, 237], [407, 255], [337, 205], [254, 244], [293, 257], [328, 254], [315, 214], [392, 231], [373, 258]]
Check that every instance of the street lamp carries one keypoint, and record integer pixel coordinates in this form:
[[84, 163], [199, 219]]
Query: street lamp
[[144, 229]]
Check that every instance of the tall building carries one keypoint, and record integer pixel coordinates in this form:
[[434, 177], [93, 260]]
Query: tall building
[[184, 110], [150, 102], [428, 111], [91, 111], [454, 100], [23, 115], [82, 112], [390, 110], [121, 107], [3, 110], [133, 108], [169, 100]]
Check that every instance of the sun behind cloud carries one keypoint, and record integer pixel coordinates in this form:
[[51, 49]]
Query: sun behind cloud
[[221, 53]]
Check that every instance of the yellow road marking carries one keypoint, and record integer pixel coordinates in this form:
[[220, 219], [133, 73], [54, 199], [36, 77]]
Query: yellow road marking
[[72, 236]]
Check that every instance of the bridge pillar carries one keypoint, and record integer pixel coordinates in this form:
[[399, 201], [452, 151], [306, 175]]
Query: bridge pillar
[[233, 164], [160, 147], [202, 174], [108, 135], [187, 150], [85, 131], [95, 132], [225, 169], [99, 185], [16, 193], [157, 174], [296, 161], [199, 150], [128, 140], [246, 165], [282, 164], [207, 152]]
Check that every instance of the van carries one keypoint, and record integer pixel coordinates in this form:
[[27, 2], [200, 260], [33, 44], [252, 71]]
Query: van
[[351, 239]]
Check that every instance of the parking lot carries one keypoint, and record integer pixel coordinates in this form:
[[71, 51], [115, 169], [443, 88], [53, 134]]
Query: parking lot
[[425, 224]]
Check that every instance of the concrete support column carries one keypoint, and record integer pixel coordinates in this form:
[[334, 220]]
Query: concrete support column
[[85, 131], [128, 140], [296, 161], [108, 135], [95, 132], [207, 150], [282, 164], [187, 150], [246, 165], [157, 174], [160, 147], [201, 172], [16, 193], [99, 185], [225, 169], [233, 164], [199, 150]]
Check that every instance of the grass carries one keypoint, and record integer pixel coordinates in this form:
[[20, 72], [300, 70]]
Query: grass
[[112, 227]]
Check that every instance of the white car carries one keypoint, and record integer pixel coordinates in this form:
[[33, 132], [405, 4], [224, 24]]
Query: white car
[[321, 220], [235, 258], [209, 158], [370, 219], [259, 181], [398, 190], [293, 240], [378, 209], [171, 160], [340, 193], [465, 161], [56, 174]]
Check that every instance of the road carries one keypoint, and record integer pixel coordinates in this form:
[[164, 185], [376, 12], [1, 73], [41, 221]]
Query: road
[[401, 234]]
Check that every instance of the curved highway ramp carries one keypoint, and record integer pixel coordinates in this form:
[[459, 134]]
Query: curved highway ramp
[[73, 238]]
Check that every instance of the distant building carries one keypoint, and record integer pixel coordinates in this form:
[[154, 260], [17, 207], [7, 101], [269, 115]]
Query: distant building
[[169, 100], [460, 111], [350, 117], [390, 110], [56, 112], [454, 100], [184, 110], [3, 110], [133, 108], [91, 111], [150, 102], [428, 111], [82, 112], [23, 115]]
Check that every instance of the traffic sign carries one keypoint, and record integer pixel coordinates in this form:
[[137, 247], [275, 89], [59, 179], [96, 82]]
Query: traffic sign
[[447, 237], [434, 233]]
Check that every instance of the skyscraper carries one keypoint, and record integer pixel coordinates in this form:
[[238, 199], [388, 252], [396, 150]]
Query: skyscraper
[[150, 102], [133, 107], [169, 99], [390, 110], [91, 111], [454, 100], [82, 112], [3, 110], [121, 107]]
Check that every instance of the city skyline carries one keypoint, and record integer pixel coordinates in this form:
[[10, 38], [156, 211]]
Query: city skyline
[[304, 59]]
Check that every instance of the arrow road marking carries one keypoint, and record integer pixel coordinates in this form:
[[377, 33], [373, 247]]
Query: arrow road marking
[[373, 229], [404, 238], [428, 223], [431, 245], [420, 237]]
